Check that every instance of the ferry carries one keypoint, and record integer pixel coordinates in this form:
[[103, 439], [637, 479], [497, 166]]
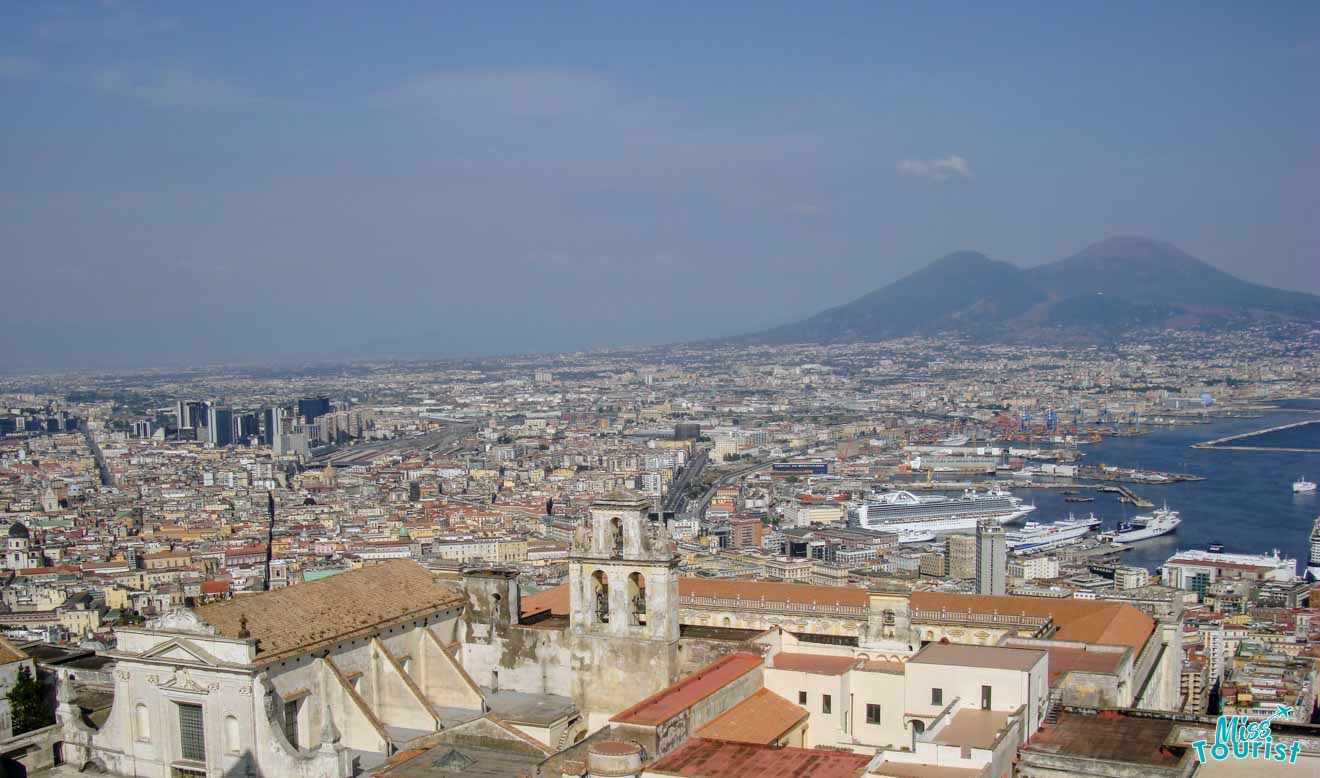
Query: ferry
[[915, 536], [1144, 527], [901, 511], [1037, 537], [1303, 485]]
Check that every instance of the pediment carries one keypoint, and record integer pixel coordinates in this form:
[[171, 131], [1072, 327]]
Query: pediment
[[180, 650]]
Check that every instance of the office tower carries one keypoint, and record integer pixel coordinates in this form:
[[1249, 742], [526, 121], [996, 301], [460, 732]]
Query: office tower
[[991, 557], [141, 429], [189, 414], [219, 425], [311, 407], [248, 426], [272, 425], [687, 430], [960, 551]]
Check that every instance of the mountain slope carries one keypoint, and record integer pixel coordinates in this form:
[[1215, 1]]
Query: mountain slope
[[1116, 284]]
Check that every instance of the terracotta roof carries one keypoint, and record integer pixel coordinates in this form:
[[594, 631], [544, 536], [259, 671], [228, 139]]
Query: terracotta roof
[[10, 652], [1064, 659], [669, 702], [776, 591], [819, 664], [554, 600], [1084, 621], [1108, 737], [763, 717], [994, 657], [702, 758], [293, 619], [215, 587]]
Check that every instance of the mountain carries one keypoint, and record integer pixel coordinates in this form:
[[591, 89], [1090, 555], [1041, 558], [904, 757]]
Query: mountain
[[1117, 284]]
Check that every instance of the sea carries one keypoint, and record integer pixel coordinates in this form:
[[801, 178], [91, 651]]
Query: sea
[[1245, 503]]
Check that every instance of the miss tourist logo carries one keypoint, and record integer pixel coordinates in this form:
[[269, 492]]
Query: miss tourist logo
[[1236, 737]]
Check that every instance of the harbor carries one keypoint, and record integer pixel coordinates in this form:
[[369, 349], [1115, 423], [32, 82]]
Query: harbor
[[1218, 444]]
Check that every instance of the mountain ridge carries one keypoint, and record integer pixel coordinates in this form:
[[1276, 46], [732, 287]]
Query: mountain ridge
[[1118, 284]]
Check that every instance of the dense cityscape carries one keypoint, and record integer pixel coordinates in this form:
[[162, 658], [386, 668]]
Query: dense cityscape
[[645, 561]]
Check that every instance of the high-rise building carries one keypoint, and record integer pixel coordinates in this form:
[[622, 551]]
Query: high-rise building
[[687, 430], [272, 425], [219, 425], [991, 557], [311, 407], [247, 426], [960, 551], [188, 414]]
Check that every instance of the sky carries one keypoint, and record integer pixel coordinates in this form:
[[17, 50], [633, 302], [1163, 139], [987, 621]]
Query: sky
[[197, 183]]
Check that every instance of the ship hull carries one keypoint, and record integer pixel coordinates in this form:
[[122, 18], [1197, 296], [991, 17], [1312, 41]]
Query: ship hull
[[942, 523]]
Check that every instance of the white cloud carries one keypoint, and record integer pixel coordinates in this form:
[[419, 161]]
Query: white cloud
[[942, 169], [18, 67]]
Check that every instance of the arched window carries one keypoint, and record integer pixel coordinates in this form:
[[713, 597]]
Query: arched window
[[495, 603], [143, 717], [600, 590], [636, 599], [231, 735], [616, 536]]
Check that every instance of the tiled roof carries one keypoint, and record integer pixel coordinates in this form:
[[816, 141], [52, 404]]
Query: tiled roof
[[1084, 621], [994, 657], [669, 702], [701, 758], [763, 717], [10, 652], [291, 620], [819, 664]]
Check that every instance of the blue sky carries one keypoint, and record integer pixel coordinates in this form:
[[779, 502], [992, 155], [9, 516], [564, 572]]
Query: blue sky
[[214, 182]]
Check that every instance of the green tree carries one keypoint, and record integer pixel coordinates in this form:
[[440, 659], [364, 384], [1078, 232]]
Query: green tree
[[27, 704]]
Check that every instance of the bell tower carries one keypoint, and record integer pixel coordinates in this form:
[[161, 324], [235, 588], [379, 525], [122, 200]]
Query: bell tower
[[623, 606]]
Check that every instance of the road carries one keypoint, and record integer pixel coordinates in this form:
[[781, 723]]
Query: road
[[677, 498], [106, 478], [729, 477]]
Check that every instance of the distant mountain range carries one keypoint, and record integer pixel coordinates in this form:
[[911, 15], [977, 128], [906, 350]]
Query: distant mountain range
[[1117, 285]]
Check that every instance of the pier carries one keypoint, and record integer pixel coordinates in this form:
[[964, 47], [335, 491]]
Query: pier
[[1128, 496], [1217, 443]]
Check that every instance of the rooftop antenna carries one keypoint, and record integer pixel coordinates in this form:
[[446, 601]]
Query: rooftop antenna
[[270, 537]]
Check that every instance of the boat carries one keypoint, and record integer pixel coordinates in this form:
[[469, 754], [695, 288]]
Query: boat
[[1070, 491], [1036, 537], [1302, 485], [1313, 563], [915, 536], [902, 511], [1144, 527], [1079, 499]]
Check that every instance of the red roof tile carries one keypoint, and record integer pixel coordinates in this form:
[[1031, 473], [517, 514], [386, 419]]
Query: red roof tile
[[701, 758], [669, 702]]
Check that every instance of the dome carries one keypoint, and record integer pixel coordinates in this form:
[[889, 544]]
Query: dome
[[18, 530]]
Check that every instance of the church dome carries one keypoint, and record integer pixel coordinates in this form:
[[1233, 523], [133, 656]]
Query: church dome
[[18, 530]]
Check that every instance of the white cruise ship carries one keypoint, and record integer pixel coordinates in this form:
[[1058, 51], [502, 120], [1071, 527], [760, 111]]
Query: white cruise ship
[[904, 511], [1303, 485], [1144, 527], [1038, 537], [1313, 563]]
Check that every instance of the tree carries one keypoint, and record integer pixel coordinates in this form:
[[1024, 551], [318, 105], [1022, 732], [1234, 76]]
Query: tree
[[27, 704]]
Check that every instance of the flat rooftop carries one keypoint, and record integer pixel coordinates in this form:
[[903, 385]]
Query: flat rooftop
[[995, 657], [537, 710], [701, 758], [1108, 737], [972, 728], [669, 702], [916, 770], [1065, 660]]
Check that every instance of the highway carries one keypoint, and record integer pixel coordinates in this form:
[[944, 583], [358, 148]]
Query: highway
[[677, 498], [729, 477]]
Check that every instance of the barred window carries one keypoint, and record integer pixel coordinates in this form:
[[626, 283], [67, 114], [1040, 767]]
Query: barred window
[[291, 722], [192, 733]]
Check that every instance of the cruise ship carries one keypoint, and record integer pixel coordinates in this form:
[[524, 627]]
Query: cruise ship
[[904, 511], [1038, 537], [1313, 563], [1144, 527]]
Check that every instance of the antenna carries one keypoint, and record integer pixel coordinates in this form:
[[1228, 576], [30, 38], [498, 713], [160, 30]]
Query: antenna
[[270, 538]]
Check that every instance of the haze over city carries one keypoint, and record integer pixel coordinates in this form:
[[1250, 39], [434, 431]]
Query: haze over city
[[201, 184]]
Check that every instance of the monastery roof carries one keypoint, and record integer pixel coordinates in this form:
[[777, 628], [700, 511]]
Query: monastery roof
[[294, 619], [993, 657], [670, 701], [1083, 621], [818, 664], [10, 652], [763, 718], [556, 600], [702, 758]]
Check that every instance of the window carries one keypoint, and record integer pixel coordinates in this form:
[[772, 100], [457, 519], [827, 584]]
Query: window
[[936, 696], [192, 733], [872, 714], [985, 698], [291, 722], [825, 703], [802, 698]]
